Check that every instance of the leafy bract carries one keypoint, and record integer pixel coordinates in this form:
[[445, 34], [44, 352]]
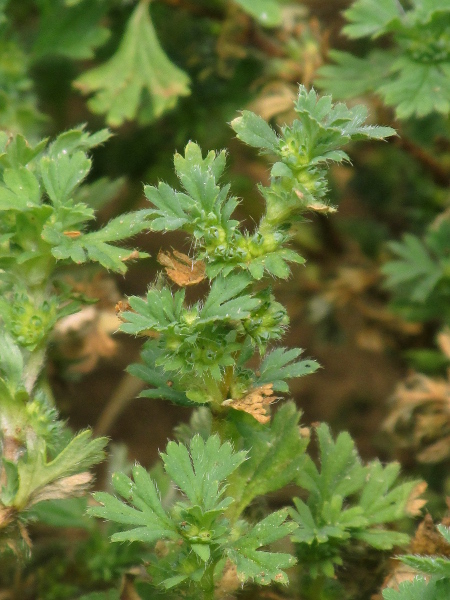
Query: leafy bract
[[138, 81]]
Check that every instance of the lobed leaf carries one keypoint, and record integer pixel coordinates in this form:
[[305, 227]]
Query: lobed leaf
[[200, 473], [281, 364], [263, 567], [139, 81]]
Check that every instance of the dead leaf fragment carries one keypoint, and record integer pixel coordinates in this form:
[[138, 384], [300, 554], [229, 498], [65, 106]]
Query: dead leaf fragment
[[181, 269], [443, 340], [134, 254], [420, 417], [428, 540], [320, 207], [255, 402], [67, 487], [228, 583], [415, 504]]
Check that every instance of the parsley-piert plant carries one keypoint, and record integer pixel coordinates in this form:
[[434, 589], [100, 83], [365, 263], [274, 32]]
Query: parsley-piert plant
[[218, 355]]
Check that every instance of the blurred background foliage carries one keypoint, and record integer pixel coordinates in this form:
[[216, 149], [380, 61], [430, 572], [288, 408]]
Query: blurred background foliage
[[372, 303]]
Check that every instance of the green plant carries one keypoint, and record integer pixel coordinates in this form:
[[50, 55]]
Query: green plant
[[411, 74], [42, 230], [198, 355], [406, 63], [347, 501]]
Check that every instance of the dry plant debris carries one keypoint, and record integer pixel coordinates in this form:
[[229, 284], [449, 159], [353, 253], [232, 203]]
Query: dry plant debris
[[181, 269], [255, 402]]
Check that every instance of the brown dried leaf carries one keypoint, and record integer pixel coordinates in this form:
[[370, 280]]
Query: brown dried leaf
[[134, 254], [228, 583], [6, 515], [437, 452], [320, 207], [67, 487], [275, 99], [181, 269], [255, 402], [443, 340], [127, 589], [85, 337], [420, 418], [415, 504], [398, 575], [428, 540]]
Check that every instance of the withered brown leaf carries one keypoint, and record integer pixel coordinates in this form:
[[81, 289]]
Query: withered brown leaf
[[415, 504], [67, 487], [181, 269], [255, 402], [420, 417]]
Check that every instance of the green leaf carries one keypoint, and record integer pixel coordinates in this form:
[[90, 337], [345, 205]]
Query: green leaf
[[18, 152], [170, 207], [22, 190], [71, 31], [225, 302], [281, 364], [200, 473], [341, 471], [382, 501], [350, 76], [371, 17], [96, 246], [63, 174], [70, 512], [433, 565], [417, 589], [276, 453], [160, 310], [143, 509], [139, 81], [263, 567], [254, 131], [156, 377], [68, 142], [417, 89], [415, 268], [267, 12], [11, 362]]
